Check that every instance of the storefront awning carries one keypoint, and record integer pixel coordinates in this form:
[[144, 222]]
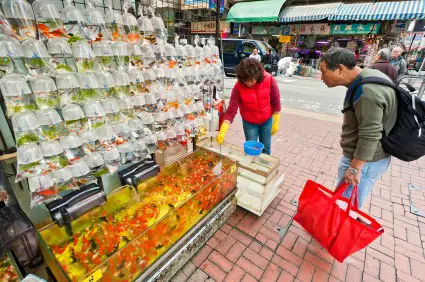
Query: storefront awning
[[402, 10], [308, 12], [255, 11]]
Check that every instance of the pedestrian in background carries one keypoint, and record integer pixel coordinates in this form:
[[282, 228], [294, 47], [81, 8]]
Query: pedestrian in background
[[267, 61], [382, 63], [257, 96], [255, 55], [374, 110], [398, 61]]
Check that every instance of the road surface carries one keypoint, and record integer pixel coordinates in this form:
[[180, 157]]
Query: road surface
[[304, 94]]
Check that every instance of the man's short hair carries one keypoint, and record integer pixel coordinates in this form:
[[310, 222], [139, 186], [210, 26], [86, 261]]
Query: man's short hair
[[339, 56], [384, 54]]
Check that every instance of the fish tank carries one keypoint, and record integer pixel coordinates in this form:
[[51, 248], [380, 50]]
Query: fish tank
[[120, 240], [8, 269]]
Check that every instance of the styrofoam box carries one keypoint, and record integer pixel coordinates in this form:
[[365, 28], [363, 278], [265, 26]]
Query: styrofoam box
[[258, 189]]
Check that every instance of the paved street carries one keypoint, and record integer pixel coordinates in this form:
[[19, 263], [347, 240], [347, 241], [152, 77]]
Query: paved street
[[248, 248], [306, 94]]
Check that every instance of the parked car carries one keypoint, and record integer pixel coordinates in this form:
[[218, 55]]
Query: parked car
[[235, 50]]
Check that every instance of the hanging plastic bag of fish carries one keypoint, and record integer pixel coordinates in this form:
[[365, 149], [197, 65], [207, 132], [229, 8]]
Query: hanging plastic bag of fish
[[171, 138], [189, 75], [42, 189], [170, 79], [178, 115], [90, 90], [159, 27], [37, 58], [151, 105], [26, 128], [74, 118], [160, 77], [112, 110], [215, 52], [140, 149], [121, 55], [122, 84], [148, 56], [161, 100], [105, 59], [95, 22], [127, 153], [161, 138], [5, 28], [96, 116], [151, 142], [17, 95], [197, 74], [107, 84], [126, 109], [136, 56], [181, 135], [61, 53], [138, 103], [171, 121], [159, 51], [112, 159], [52, 126], [172, 101], [90, 142], [53, 155], [11, 57], [131, 26], [152, 84], [148, 121], [20, 17], [190, 53], [122, 132], [207, 52], [180, 77], [199, 52], [84, 57], [81, 173], [75, 24], [136, 127], [30, 161], [64, 180], [145, 26], [170, 55], [180, 52], [160, 121], [68, 88], [107, 136], [72, 147], [97, 164], [137, 82], [45, 92], [49, 21], [114, 24]]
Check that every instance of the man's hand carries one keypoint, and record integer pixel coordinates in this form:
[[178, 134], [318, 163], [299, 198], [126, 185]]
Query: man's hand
[[352, 179]]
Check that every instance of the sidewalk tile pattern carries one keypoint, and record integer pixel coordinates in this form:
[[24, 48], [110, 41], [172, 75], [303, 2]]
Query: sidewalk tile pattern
[[248, 248]]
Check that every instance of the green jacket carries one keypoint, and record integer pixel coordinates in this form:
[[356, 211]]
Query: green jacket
[[375, 112]]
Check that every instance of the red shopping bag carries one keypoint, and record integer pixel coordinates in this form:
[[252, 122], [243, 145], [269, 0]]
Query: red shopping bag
[[336, 222]]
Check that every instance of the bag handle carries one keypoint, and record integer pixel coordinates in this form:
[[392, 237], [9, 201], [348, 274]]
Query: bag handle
[[353, 196]]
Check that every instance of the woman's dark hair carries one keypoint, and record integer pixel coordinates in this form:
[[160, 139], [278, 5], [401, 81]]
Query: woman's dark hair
[[249, 69]]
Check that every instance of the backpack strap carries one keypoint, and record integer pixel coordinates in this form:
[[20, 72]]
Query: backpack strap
[[367, 80]]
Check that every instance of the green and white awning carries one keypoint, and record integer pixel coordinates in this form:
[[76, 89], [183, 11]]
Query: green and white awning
[[380, 11], [308, 12], [255, 11]]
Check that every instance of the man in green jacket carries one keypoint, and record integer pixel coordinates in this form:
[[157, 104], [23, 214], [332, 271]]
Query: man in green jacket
[[373, 112]]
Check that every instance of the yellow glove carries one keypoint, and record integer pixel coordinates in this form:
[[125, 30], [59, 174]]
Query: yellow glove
[[275, 125], [223, 130]]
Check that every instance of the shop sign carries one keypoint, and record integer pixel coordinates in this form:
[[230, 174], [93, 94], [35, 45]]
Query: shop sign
[[286, 30], [419, 26], [284, 39], [319, 29], [371, 28], [260, 30], [399, 27], [208, 27], [235, 29]]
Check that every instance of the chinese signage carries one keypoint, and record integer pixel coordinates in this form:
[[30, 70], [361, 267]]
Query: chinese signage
[[260, 30], [368, 28], [209, 27], [319, 29], [202, 4], [283, 30], [284, 39], [235, 29]]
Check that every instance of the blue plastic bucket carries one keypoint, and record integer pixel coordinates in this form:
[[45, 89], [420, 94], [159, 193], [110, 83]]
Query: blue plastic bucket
[[253, 148]]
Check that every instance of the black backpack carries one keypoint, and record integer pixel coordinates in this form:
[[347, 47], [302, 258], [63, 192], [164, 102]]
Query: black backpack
[[406, 141]]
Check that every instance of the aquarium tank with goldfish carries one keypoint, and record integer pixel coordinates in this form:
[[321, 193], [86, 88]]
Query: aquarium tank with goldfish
[[123, 238]]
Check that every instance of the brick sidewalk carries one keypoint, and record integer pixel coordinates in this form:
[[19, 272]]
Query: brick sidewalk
[[248, 248]]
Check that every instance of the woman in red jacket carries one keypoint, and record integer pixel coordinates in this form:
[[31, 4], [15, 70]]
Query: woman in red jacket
[[257, 96]]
